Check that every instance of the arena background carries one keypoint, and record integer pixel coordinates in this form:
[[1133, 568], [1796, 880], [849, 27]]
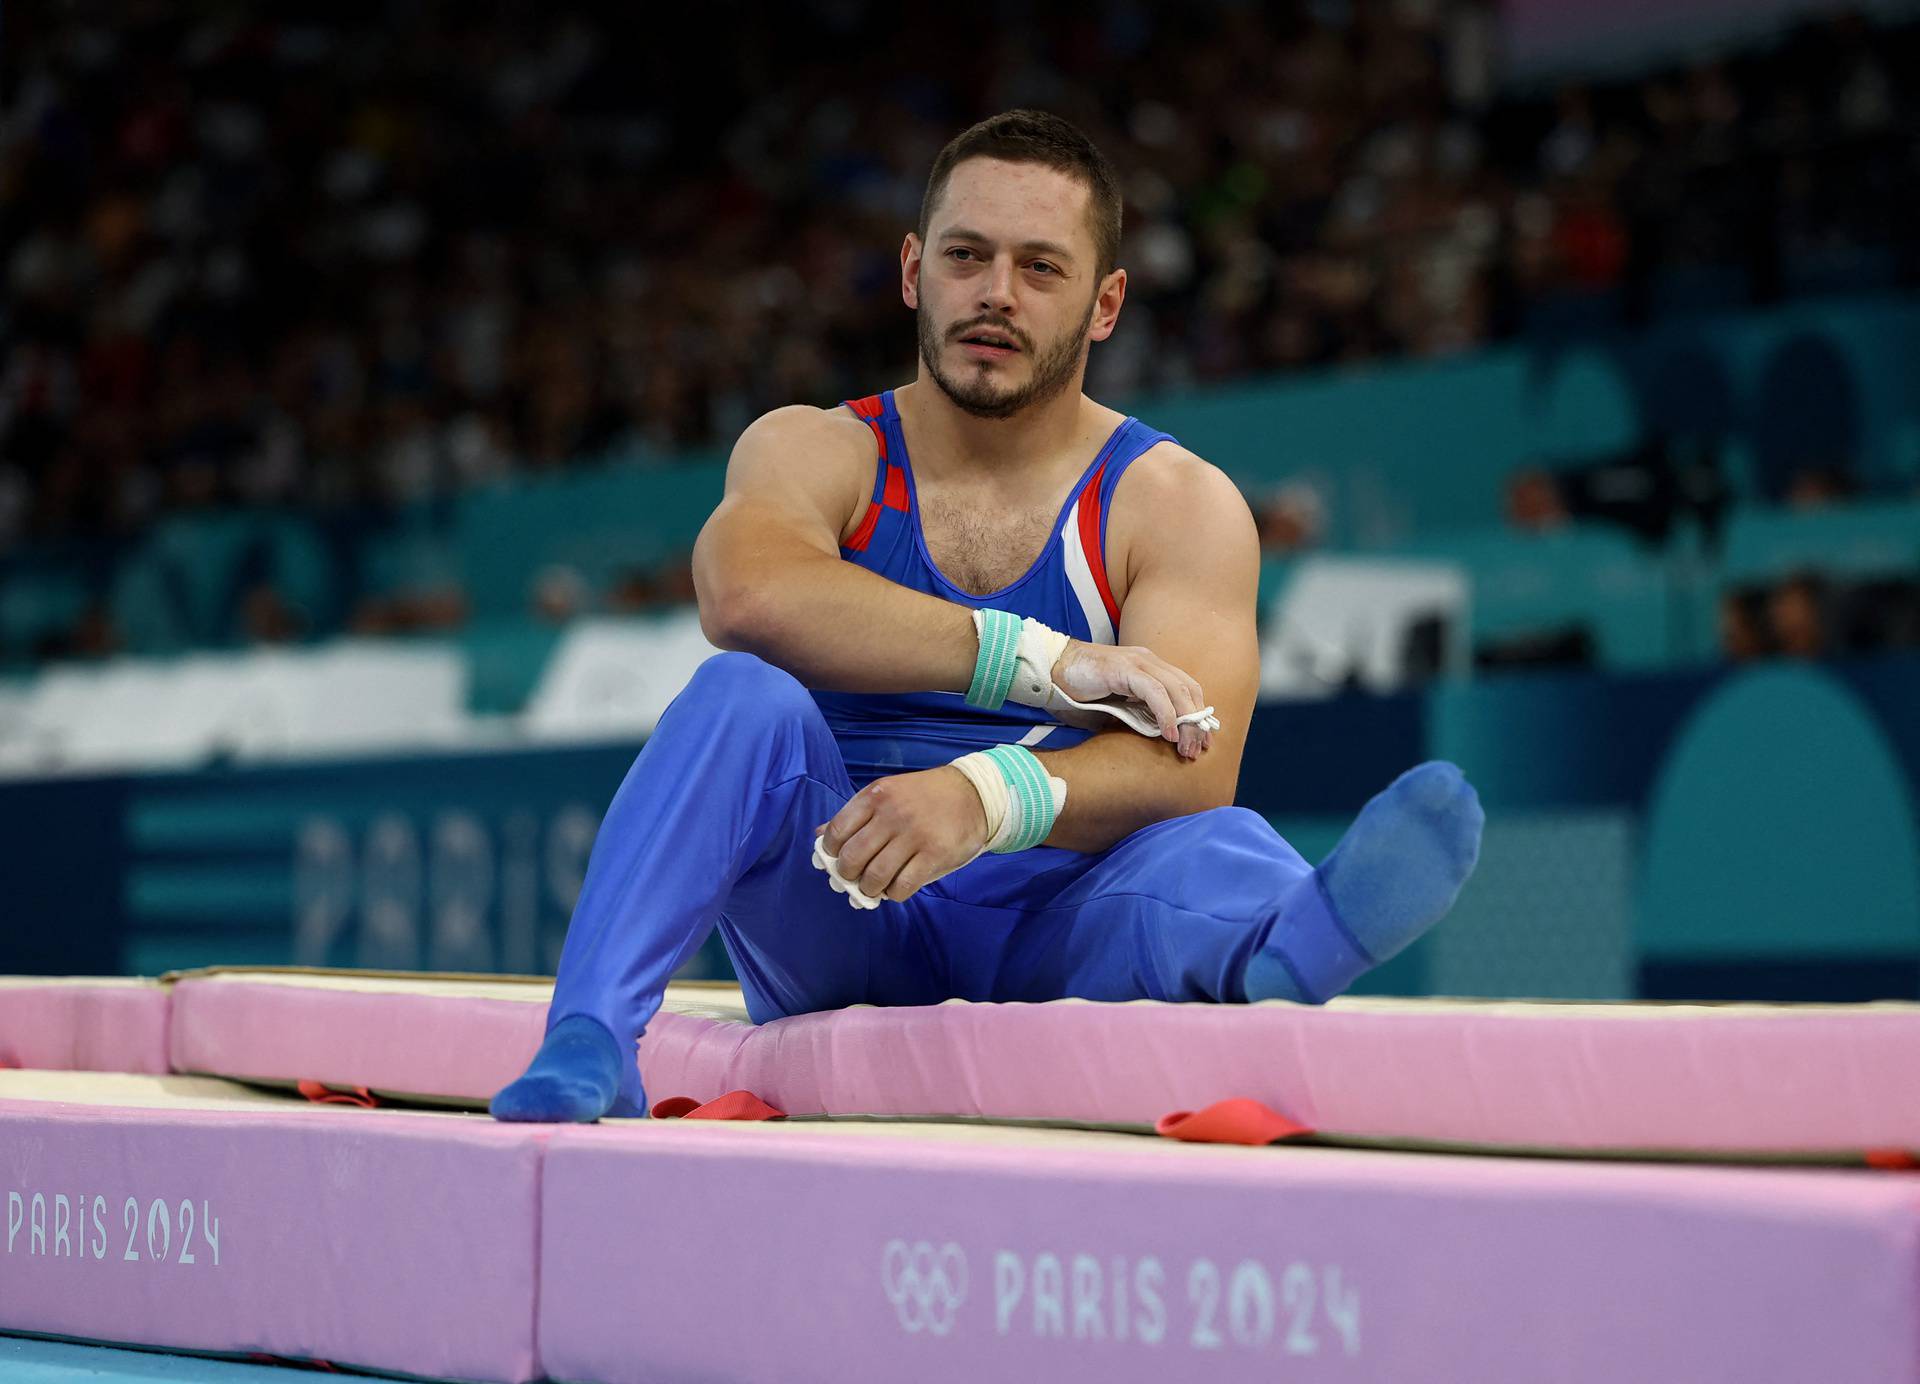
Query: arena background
[[366, 373]]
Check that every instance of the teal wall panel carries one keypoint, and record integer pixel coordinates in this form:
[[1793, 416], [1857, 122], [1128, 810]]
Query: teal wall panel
[[1403, 449], [1782, 823]]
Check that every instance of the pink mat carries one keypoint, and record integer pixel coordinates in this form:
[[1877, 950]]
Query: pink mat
[[189, 1213], [434, 1039], [400, 1242], [769, 1252], [83, 1025], [1768, 1079]]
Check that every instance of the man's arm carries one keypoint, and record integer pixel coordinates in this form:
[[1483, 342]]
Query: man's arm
[[1191, 599], [770, 579]]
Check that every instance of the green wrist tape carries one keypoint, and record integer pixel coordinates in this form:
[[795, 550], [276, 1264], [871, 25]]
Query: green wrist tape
[[1031, 797], [993, 669]]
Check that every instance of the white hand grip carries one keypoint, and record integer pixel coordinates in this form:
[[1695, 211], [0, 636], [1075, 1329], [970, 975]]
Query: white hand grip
[[822, 861]]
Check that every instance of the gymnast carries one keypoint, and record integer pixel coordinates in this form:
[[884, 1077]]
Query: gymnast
[[990, 658]]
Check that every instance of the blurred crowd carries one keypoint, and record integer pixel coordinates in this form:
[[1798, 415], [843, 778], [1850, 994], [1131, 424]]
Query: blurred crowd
[[1811, 615], [347, 262], [368, 256]]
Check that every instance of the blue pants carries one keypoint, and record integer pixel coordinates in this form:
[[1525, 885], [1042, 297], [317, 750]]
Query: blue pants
[[713, 826]]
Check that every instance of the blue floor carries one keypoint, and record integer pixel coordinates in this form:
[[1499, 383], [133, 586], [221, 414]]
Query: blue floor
[[24, 1361]]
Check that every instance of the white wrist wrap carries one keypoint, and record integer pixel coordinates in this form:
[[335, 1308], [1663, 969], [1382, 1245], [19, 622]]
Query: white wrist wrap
[[1040, 649], [1022, 800]]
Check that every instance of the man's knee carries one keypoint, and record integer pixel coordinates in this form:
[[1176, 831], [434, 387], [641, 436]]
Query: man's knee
[[747, 681], [1218, 824], [1223, 839]]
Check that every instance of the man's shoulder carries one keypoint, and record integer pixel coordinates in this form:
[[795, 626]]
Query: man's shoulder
[[801, 457], [1170, 479], [1172, 503], [792, 422]]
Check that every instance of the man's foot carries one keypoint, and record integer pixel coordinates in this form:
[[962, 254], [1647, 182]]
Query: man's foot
[[573, 1078], [1394, 875]]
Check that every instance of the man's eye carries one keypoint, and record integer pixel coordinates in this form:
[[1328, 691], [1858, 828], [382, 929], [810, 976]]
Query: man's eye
[[1043, 266], [959, 250]]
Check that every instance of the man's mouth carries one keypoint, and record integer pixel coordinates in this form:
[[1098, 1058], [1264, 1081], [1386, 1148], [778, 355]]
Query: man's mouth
[[989, 343]]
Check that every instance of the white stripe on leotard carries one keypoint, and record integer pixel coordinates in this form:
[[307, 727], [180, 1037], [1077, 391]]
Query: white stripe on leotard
[[1080, 577]]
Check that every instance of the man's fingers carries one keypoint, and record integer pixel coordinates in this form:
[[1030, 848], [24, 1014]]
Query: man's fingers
[[880, 872], [1183, 698], [1193, 741], [912, 877], [859, 852], [847, 821], [1187, 699], [1149, 689]]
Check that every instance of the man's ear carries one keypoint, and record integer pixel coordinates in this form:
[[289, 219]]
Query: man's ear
[[1106, 314], [910, 271]]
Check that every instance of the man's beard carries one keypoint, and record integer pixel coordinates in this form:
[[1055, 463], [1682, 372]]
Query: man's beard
[[982, 396]]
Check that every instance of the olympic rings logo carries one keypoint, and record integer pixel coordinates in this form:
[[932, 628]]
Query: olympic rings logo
[[926, 1286]]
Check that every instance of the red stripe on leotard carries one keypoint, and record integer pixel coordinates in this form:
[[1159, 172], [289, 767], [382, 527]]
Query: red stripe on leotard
[[1090, 541], [864, 534], [870, 411], [895, 498]]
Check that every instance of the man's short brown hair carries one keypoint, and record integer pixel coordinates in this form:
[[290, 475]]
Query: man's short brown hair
[[1028, 136]]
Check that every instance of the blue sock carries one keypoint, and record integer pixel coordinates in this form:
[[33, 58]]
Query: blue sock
[[574, 1077], [1394, 875]]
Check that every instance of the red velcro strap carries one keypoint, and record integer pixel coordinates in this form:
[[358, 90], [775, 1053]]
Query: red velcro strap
[[1893, 1160], [735, 1105], [326, 1095], [293, 1362], [1240, 1120]]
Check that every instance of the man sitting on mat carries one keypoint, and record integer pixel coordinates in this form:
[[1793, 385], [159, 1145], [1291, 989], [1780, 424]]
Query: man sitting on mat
[[991, 661]]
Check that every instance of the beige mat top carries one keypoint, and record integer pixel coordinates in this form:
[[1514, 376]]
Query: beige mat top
[[708, 999], [185, 1093]]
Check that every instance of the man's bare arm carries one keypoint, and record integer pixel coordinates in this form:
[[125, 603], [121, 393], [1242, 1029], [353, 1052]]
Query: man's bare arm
[[1192, 600], [770, 579]]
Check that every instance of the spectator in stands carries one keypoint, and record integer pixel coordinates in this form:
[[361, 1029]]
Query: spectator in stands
[[1816, 487], [1812, 615], [666, 584], [1799, 616], [1743, 624], [1291, 517], [417, 610], [1646, 491], [561, 594], [92, 636], [1534, 503], [268, 617]]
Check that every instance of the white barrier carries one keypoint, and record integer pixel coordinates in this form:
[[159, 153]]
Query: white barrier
[[1343, 620], [616, 677], [170, 714]]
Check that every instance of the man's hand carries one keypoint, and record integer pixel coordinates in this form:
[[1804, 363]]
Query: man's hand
[[1092, 672], [903, 832]]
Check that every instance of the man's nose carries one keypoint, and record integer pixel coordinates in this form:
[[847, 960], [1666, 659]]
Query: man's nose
[[996, 294]]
